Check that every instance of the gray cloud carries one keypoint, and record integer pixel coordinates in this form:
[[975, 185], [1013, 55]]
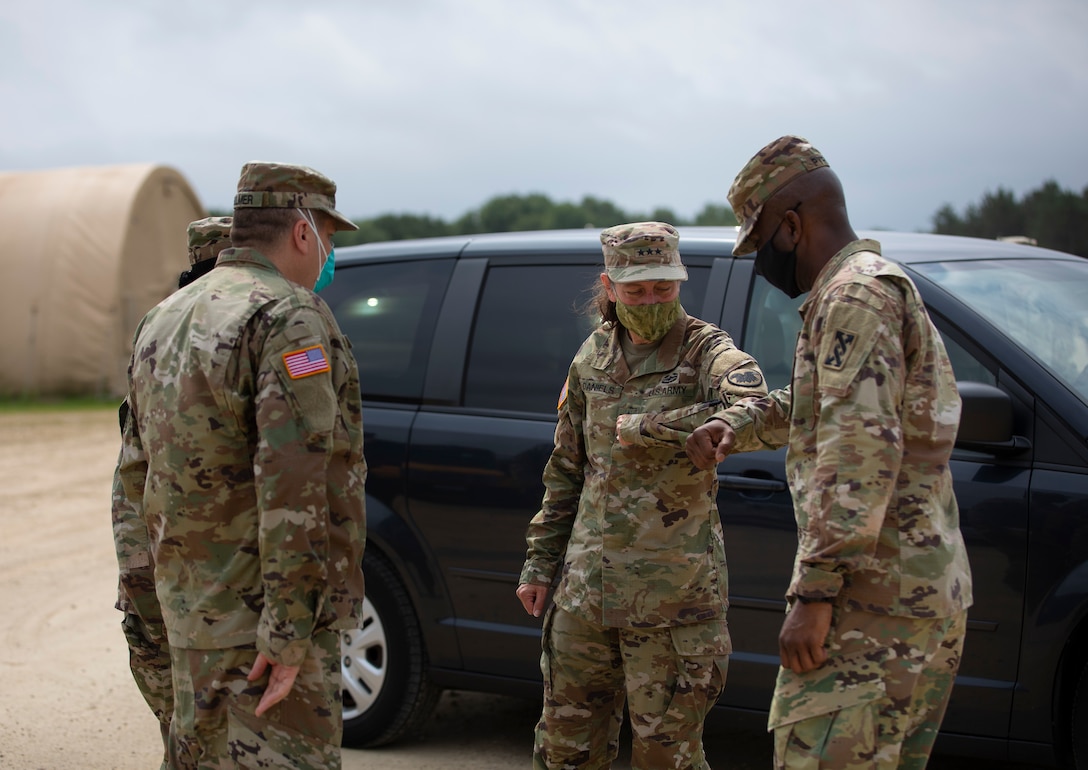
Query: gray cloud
[[434, 106]]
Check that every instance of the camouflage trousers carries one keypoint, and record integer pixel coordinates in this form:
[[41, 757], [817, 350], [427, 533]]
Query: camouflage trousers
[[149, 661], [668, 677], [877, 702], [214, 727]]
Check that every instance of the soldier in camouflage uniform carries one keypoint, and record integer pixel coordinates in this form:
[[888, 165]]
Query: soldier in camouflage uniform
[[148, 653], [881, 584], [243, 457], [630, 527], [207, 237]]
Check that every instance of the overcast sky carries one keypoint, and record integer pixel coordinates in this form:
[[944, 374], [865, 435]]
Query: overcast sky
[[435, 106]]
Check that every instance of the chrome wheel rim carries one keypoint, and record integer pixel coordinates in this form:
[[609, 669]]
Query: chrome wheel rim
[[364, 662]]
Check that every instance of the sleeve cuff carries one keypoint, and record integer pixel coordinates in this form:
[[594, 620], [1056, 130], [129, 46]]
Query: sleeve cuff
[[815, 584], [290, 654], [537, 574], [630, 430], [735, 419]]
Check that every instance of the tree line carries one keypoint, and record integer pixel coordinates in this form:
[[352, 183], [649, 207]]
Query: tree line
[[510, 213], [1048, 216]]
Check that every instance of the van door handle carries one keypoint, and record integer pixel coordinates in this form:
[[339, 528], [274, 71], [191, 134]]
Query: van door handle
[[750, 483]]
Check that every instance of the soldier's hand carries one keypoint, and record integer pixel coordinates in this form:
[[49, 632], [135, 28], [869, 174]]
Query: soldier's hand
[[801, 640], [710, 443], [280, 681], [532, 597]]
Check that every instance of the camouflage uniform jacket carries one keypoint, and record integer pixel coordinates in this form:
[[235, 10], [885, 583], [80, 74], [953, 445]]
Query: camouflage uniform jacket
[[244, 456], [136, 579], [870, 419], [636, 527]]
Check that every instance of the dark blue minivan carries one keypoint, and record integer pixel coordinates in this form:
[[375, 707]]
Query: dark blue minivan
[[463, 345]]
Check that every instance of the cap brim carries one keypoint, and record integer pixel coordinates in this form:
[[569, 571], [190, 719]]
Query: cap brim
[[641, 273], [743, 244], [343, 222]]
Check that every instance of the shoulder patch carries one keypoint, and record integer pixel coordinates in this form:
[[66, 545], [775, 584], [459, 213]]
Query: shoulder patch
[[562, 395], [842, 344], [306, 362], [850, 334], [745, 378]]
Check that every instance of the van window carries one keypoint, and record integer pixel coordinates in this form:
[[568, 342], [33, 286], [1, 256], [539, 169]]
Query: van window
[[770, 332], [773, 323], [528, 327], [388, 311], [964, 364], [1037, 303]]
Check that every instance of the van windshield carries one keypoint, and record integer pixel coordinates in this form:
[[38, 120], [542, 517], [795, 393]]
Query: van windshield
[[1042, 305]]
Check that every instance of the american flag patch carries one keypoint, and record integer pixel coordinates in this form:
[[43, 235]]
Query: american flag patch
[[562, 394], [303, 363]]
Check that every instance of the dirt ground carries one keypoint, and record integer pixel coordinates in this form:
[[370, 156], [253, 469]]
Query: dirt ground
[[67, 699]]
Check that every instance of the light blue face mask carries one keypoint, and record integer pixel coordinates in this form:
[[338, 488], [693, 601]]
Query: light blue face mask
[[324, 278]]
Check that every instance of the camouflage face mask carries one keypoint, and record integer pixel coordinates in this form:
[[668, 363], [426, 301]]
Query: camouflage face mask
[[650, 322]]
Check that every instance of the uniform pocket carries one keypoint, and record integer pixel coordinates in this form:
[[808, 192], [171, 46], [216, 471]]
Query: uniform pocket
[[702, 639], [840, 683], [141, 635], [257, 743]]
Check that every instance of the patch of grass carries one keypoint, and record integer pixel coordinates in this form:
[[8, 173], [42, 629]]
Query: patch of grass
[[56, 404]]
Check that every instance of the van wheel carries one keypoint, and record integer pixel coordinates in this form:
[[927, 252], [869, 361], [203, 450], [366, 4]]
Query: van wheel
[[1079, 734], [386, 691]]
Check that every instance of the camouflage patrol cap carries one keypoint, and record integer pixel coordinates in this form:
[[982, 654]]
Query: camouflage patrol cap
[[769, 170], [285, 186], [208, 237], [643, 251]]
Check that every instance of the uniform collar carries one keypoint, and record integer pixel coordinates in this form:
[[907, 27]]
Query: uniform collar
[[245, 256], [833, 265], [609, 357]]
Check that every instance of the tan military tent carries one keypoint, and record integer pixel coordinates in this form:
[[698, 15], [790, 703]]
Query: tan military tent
[[84, 253]]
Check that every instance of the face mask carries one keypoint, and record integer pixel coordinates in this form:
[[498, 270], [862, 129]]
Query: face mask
[[650, 322], [778, 267], [328, 264], [327, 271]]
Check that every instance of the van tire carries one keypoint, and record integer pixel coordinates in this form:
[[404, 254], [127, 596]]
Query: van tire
[[387, 693]]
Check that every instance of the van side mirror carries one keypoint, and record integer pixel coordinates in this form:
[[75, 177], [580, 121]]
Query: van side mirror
[[986, 421]]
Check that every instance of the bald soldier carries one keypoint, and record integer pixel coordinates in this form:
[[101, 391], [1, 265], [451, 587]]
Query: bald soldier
[[148, 653], [243, 456], [629, 527], [881, 584]]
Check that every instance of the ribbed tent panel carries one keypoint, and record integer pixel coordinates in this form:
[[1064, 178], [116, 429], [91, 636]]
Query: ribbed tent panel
[[84, 253]]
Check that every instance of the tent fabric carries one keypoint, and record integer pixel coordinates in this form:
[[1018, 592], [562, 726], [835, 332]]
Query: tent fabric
[[84, 253]]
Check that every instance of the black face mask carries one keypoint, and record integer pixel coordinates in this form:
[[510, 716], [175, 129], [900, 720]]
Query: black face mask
[[778, 267]]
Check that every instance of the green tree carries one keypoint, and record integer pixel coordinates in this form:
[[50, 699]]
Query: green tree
[[1053, 217], [601, 214], [663, 214], [534, 211], [1057, 218], [507, 213], [716, 214], [947, 221], [393, 227]]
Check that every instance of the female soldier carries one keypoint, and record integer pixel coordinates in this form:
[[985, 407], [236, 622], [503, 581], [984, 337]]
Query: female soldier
[[630, 525]]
